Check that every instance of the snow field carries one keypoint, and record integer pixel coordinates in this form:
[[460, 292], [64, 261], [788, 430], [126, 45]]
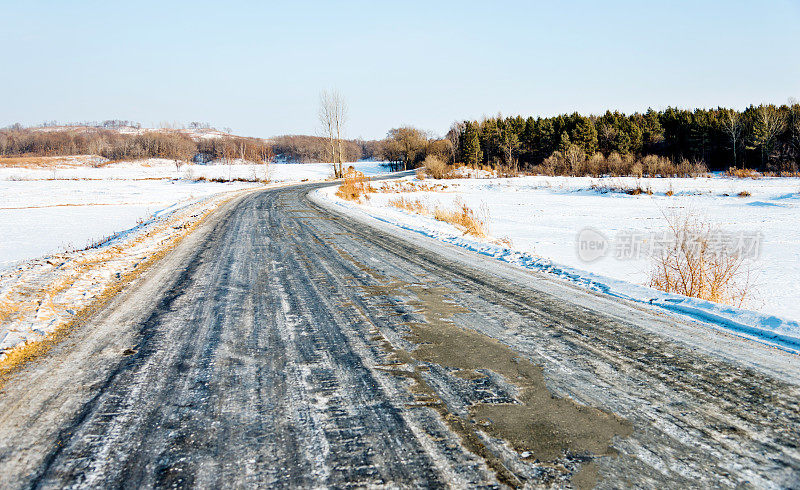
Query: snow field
[[543, 216], [72, 232], [44, 211]]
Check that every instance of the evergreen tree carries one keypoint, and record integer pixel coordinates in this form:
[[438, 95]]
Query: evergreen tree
[[564, 142], [585, 135], [470, 144], [490, 141], [771, 134]]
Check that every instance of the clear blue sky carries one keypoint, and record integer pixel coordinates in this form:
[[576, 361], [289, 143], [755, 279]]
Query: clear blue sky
[[258, 67]]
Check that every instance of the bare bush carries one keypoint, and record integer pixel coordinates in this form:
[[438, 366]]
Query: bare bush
[[575, 164], [435, 167], [693, 265]]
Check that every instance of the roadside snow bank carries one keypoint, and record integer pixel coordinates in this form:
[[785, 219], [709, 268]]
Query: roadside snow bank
[[560, 212]]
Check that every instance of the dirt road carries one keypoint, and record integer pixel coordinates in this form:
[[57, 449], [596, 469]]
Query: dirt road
[[286, 345]]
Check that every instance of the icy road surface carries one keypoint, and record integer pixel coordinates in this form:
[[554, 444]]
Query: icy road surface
[[286, 345]]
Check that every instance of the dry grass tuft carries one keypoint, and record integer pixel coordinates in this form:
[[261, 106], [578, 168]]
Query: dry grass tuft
[[410, 205], [462, 216], [355, 186], [635, 191], [743, 173], [410, 186], [623, 189], [691, 265], [744, 194]]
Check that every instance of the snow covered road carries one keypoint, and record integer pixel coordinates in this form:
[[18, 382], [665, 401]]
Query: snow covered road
[[286, 344]]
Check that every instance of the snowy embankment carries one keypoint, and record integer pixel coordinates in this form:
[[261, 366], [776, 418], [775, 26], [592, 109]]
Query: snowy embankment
[[542, 217], [72, 233]]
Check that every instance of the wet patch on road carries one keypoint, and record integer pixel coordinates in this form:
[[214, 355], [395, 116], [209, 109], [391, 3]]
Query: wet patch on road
[[556, 435]]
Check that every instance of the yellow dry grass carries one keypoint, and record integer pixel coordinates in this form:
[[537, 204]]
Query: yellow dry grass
[[8, 310], [461, 216], [743, 173], [354, 186], [410, 186], [464, 218], [410, 205]]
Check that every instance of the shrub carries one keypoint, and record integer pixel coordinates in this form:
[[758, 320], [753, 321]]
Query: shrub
[[574, 163], [354, 186], [691, 265], [435, 167]]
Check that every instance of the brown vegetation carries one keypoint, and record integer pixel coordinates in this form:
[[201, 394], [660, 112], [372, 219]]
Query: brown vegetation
[[304, 149], [624, 189], [743, 173], [111, 144], [354, 186], [616, 165], [435, 167], [461, 216], [692, 266]]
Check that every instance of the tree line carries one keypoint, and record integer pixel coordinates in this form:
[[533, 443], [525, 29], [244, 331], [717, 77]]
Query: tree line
[[170, 144], [115, 145], [765, 137], [304, 149]]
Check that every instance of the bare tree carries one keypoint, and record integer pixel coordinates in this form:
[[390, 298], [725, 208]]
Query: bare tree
[[509, 144], [266, 155], [229, 155], [332, 116], [454, 135], [732, 125], [768, 125]]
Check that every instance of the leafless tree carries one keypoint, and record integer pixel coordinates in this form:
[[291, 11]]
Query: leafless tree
[[229, 151], [509, 144], [454, 135], [768, 125], [266, 155], [332, 116], [732, 125], [606, 134]]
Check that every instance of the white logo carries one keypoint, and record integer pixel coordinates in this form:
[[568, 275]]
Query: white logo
[[591, 245]]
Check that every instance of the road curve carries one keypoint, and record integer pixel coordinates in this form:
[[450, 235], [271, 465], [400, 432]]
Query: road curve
[[287, 345]]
